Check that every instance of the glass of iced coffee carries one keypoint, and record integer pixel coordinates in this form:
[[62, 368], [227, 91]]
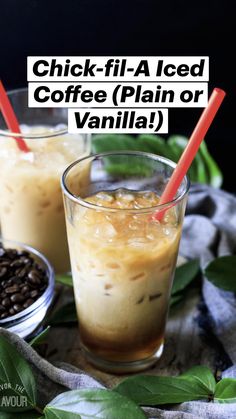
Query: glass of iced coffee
[[31, 204], [123, 258]]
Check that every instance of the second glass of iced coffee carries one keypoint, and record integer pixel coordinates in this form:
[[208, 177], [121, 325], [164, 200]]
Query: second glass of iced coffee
[[123, 258], [31, 204]]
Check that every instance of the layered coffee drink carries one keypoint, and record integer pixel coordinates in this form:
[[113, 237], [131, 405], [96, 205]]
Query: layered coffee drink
[[123, 247], [31, 204], [123, 265]]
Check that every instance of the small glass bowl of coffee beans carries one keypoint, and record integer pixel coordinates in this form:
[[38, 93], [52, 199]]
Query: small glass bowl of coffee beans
[[26, 287]]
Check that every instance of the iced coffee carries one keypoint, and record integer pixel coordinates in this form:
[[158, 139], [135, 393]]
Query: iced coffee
[[31, 205], [123, 260]]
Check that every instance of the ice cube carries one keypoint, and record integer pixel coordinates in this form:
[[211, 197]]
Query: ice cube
[[137, 242], [128, 197], [153, 230], [166, 231], [134, 225], [103, 196], [105, 230], [150, 236]]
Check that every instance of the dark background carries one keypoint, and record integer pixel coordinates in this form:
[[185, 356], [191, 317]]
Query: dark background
[[140, 27]]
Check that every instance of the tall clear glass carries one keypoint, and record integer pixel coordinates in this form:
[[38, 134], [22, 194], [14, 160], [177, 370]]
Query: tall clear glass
[[123, 259], [31, 205]]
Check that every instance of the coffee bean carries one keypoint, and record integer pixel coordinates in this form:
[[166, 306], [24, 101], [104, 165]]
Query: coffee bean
[[16, 263], [28, 267], [4, 262], [11, 253], [32, 286], [17, 307], [17, 298], [27, 260], [8, 283], [5, 283], [3, 271], [22, 281], [24, 289], [13, 289], [16, 280], [41, 273], [22, 273], [23, 253], [34, 277], [2, 252], [35, 281], [34, 294], [28, 303], [6, 302]]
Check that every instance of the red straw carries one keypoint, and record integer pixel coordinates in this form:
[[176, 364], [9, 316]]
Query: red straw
[[191, 149], [11, 119]]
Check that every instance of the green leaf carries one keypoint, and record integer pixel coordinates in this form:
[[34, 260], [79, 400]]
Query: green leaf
[[175, 299], [153, 390], [203, 168], [215, 174], [202, 375], [113, 142], [92, 403], [65, 279], [31, 414], [121, 166], [145, 142], [184, 275], [55, 414], [65, 314], [225, 391], [154, 144], [40, 338], [197, 171], [16, 372], [222, 272], [177, 144]]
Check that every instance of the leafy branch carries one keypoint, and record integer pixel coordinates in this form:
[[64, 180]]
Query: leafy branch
[[124, 401], [75, 404], [203, 169], [198, 383]]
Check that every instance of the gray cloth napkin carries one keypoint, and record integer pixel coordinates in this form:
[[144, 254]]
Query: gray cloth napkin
[[209, 231]]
